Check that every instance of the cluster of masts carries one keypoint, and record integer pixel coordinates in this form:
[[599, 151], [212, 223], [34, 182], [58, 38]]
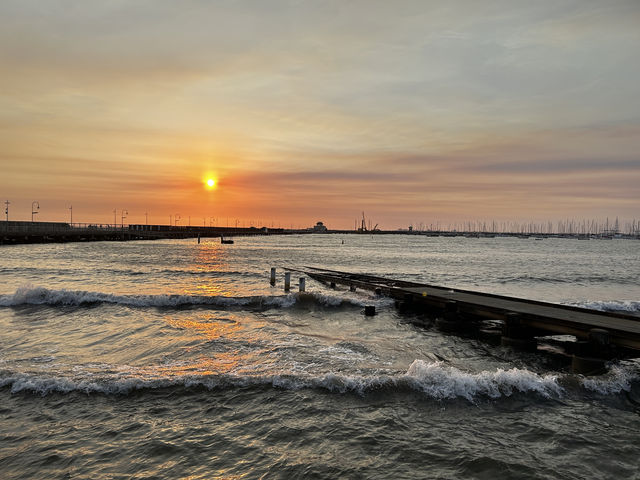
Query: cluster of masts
[[560, 227]]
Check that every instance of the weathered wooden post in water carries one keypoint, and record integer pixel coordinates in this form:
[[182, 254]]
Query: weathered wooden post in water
[[272, 280], [302, 281], [516, 335], [450, 320], [287, 281], [590, 356]]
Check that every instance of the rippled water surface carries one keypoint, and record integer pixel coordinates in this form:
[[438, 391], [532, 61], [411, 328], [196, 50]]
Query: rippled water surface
[[170, 359]]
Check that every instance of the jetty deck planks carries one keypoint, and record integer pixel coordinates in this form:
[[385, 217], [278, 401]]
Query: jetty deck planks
[[624, 330]]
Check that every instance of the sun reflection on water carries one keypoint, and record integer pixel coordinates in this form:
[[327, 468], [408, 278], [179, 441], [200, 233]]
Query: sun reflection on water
[[208, 325], [229, 344]]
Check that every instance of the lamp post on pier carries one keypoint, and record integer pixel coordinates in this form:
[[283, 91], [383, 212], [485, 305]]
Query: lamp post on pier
[[71, 212], [6, 209], [34, 207], [124, 215]]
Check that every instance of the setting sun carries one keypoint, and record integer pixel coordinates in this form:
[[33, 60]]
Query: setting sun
[[211, 182]]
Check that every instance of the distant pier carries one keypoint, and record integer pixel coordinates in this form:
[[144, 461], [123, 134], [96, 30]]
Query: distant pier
[[12, 232]]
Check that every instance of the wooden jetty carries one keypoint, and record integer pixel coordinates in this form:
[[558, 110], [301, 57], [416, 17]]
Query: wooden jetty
[[601, 336]]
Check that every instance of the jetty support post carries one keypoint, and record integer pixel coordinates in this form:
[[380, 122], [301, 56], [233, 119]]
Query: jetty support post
[[287, 281], [450, 320], [404, 301], [352, 288], [301, 284], [272, 280], [516, 335], [591, 355]]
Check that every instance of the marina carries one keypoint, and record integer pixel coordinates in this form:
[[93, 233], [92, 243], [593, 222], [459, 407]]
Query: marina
[[24, 232]]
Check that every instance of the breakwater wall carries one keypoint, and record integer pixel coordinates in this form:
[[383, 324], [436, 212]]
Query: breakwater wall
[[12, 233]]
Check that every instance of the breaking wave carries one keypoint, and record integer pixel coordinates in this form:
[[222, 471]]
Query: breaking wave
[[612, 306], [434, 379], [618, 379], [43, 296]]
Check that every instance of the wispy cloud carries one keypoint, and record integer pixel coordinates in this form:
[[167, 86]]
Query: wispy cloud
[[397, 107]]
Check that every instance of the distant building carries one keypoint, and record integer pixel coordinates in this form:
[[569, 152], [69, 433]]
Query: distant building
[[319, 228]]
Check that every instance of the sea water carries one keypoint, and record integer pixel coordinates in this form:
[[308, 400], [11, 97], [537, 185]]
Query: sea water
[[173, 359]]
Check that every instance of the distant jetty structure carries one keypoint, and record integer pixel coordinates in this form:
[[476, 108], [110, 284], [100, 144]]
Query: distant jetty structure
[[18, 232]]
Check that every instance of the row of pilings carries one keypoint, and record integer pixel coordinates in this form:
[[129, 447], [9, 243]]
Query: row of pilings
[[587, 356]]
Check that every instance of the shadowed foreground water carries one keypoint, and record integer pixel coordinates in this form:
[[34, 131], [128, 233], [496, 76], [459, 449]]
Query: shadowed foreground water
[[251, 432]]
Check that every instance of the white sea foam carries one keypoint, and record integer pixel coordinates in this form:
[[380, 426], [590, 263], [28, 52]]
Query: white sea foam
[[434, 379], [618, 379], [610, 306], [30, 295], [442, 381]]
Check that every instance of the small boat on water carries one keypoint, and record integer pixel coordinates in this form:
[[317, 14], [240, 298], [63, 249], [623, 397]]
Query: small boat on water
[[226, 242]]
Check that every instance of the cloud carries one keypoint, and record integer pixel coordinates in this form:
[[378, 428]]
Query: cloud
[[406, 105]]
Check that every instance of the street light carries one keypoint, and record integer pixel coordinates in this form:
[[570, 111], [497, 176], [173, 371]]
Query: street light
[[71, 210], [124, 215], [176, 217], [6, 209], [34, 205]]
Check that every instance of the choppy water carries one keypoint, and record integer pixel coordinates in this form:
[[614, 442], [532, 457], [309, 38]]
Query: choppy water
[[170, 359]]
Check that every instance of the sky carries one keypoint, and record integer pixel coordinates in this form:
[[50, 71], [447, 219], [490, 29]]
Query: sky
[[306, 111]]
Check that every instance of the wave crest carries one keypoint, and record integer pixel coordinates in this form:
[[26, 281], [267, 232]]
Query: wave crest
[[30, 295], [434, 379], [618, 379], [445, 382], [610, 306]]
